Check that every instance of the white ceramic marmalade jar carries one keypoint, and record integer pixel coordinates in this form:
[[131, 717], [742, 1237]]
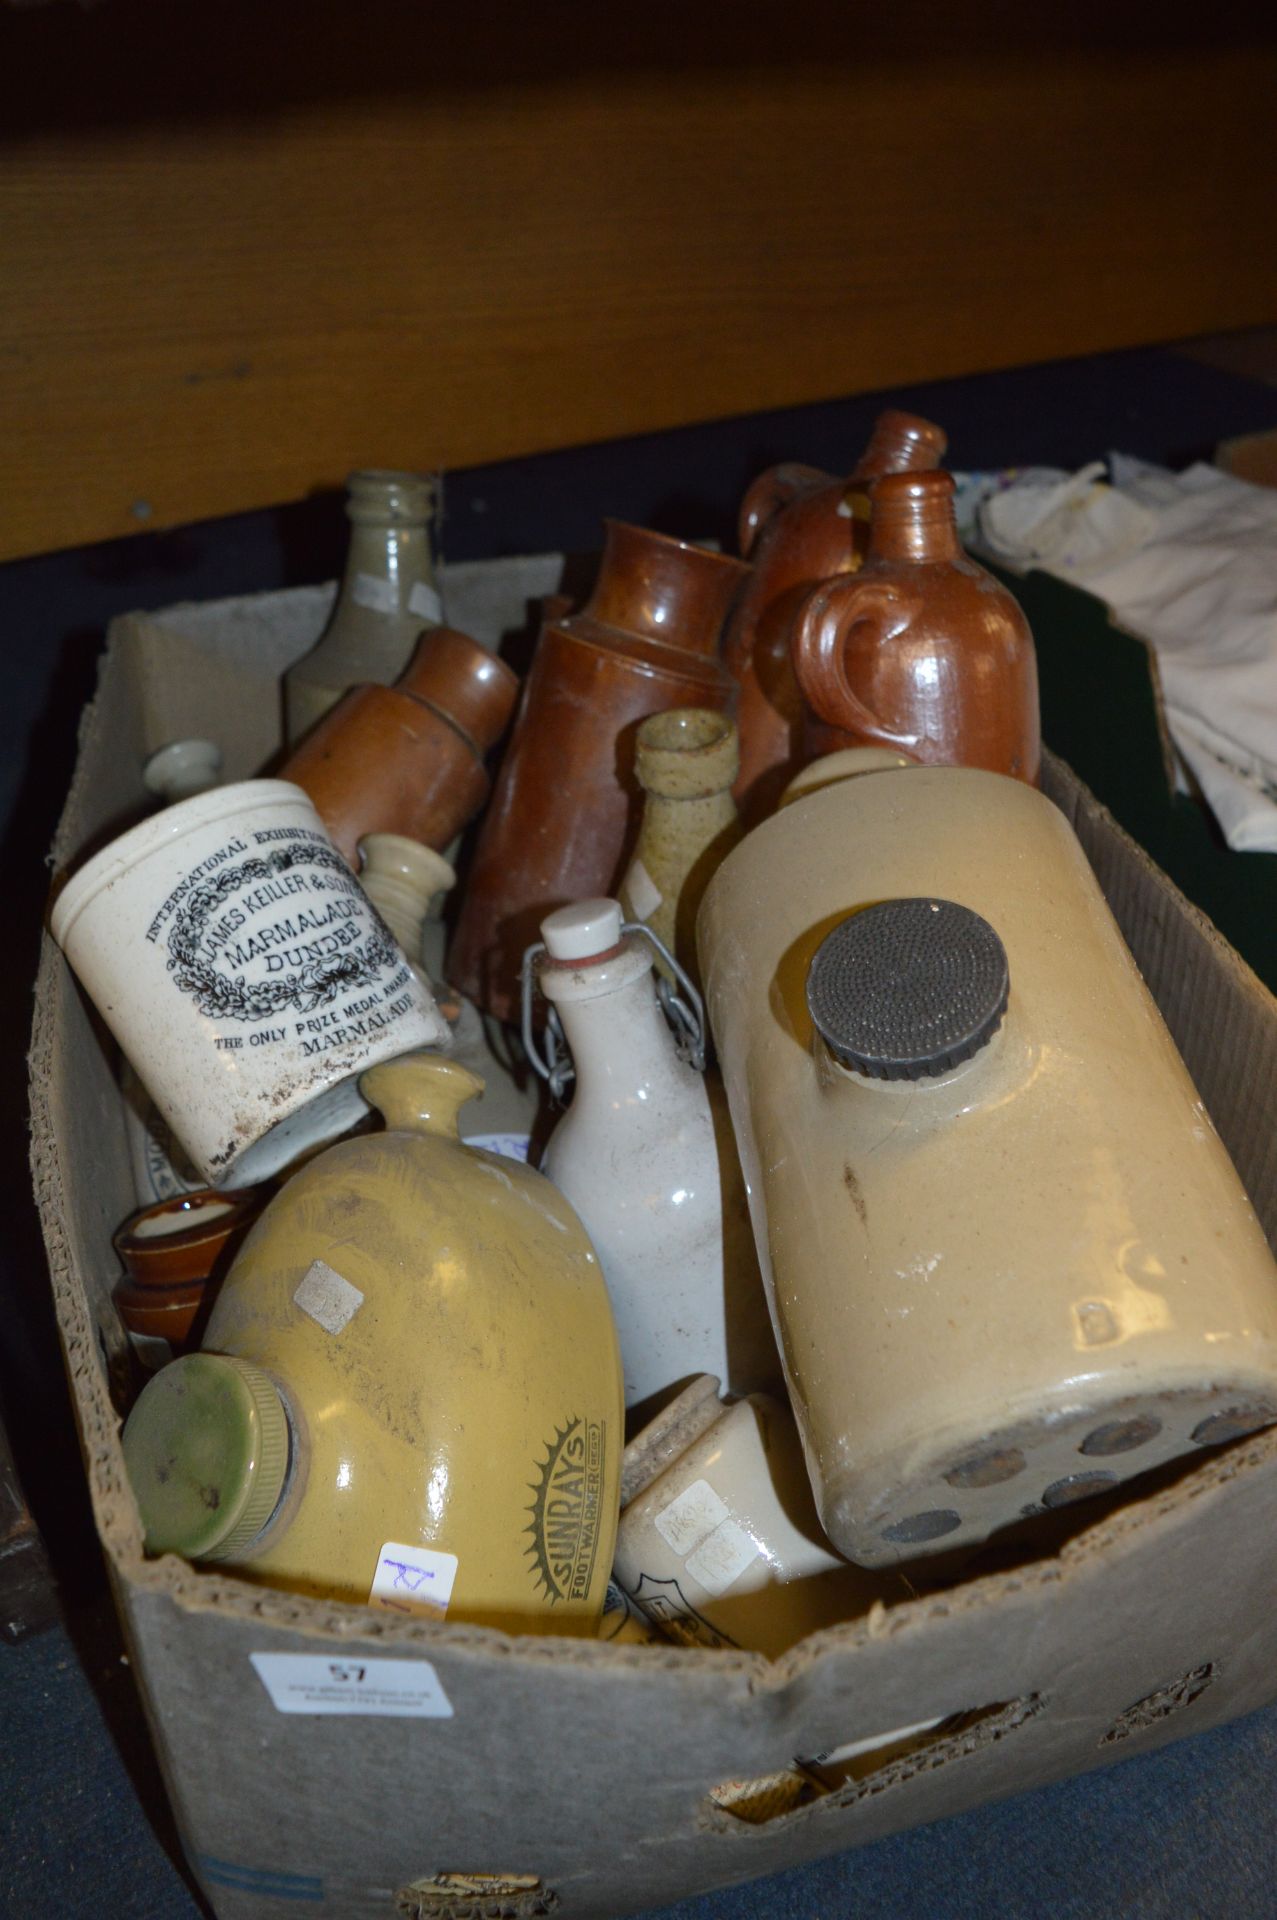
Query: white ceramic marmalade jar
[[1010, 1262], [245, 974]]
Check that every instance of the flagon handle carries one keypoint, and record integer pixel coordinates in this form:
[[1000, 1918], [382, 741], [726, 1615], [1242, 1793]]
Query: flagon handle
[[773, 490], [821, 635]]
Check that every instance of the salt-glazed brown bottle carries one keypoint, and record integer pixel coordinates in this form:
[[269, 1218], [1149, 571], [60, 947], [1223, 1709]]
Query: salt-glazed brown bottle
[[798, 526], [566, 803], [388, 594], [408, 759], [921, 651]]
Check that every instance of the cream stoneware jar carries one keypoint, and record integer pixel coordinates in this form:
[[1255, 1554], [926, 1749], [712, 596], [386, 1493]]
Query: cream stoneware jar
[[719, 1542], [245, 974], [1010, 1262]]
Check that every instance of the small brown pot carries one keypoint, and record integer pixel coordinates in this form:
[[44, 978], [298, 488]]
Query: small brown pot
[[173, 1249], [181, 1240], [408, 759], [163, 1313]]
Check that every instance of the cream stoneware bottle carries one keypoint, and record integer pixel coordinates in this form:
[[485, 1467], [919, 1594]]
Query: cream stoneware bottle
[[409, 1394], [686, 761], [1010, 1262], [407, 883], [649, 1165], [387, 595]]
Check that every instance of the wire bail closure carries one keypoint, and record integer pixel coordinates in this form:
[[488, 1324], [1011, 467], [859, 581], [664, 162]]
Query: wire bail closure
[[682, 1006]]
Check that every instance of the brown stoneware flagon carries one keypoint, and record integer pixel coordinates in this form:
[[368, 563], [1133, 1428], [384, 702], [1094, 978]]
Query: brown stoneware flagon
[[922, 650], [567, 801], [798, 526], [408, 759]]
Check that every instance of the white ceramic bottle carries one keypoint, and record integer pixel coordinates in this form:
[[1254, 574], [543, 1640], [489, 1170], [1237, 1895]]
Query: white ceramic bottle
[[645, 1155]]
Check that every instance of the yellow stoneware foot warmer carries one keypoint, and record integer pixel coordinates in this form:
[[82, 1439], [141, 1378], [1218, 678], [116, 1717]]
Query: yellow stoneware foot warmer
[[410, 1393]]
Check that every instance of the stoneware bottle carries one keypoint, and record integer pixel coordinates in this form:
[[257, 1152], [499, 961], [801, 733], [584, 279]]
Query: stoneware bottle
[[183, 768], [387, 595], [406, 882], [686, 762], [922, 651], [719, 1541], [566, 804], [1010, 1262], [798, 526], [648, 1164], [409, 1394], [408, 759]]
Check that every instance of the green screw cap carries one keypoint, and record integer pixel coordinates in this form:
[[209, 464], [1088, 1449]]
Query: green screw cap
[[206, 1447]]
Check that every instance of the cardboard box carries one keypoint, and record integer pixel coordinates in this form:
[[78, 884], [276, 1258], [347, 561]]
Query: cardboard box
[[581, 1778]]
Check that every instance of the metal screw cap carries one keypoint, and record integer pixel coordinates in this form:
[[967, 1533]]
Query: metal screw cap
[[908, 989]]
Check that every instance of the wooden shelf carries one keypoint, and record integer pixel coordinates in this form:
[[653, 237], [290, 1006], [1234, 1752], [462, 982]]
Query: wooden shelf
[[249, 249]]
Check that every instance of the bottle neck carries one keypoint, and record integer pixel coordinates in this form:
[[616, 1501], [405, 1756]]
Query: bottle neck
[[901, 443], [664, 589], [385, 563], [697, 813], [913, 519], [613, 1023], [687, 753]]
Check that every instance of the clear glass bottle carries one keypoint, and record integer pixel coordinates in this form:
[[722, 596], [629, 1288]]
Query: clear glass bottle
[[388, 595]]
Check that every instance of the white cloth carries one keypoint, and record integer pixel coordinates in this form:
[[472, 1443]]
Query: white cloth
[[1188, 561]]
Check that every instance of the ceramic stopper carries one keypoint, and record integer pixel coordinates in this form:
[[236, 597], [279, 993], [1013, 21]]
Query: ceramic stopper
[[206, 1448], [583, 930]]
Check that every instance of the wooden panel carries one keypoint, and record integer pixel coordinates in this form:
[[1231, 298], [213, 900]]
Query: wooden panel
[[246, 251]]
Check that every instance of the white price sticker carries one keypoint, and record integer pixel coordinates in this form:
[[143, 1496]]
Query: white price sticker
[[698, 1528], [641, 890], [690, 1517], [379, 596], [425, 601], [413, 1580], [330, 1299], [314, 1683]]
